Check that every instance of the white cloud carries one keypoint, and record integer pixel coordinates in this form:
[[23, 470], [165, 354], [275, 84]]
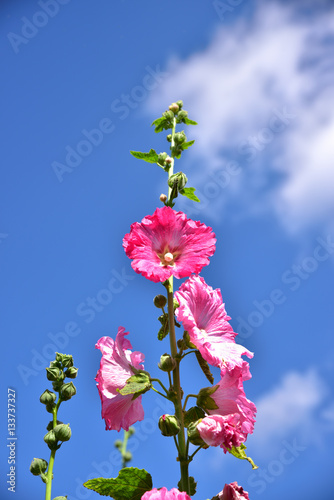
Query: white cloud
[[237, 86]]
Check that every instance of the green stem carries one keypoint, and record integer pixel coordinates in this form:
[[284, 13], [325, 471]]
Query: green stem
[[159, 382], [160, 393], [49, 474], [123, 449], [186, 400]]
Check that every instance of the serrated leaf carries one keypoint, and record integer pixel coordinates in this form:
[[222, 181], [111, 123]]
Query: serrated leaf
[[192, 486], [239, 452], [189, 193], [187, 145], [205, 367], [161, 124], [151, 157], [136, 384], [131, 484], [187, 121]]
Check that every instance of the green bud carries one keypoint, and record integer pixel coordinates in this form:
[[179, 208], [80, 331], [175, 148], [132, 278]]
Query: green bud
[[50, 425], [186, 338], [60, 498], [131, 431], [57, 385], [118, 444], [167, 363], [161, 158], [49, 408], [169, 425], [62, 432], [127, 456], [174, 107], [169, 137], [180, 137], [65, 359], [38, 466], [71, 372], [47, 397], [192, 415], [182, 115], [55, 364], [53, 374], [51, 440], [168, 114], [67, 391], [193, 434], [180, 104], [179, 178], [159, 301], [204, 399]]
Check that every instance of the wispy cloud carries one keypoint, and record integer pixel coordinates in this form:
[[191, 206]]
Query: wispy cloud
[[261, 94]]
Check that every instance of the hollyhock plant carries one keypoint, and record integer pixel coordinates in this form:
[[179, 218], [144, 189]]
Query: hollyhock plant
[[118, 411], [164, 494], [233, 491], [202, 313], [167, 243]]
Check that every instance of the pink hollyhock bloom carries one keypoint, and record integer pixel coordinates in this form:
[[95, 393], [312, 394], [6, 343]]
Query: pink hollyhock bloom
[[230, 399], [118, 411], [223, 431], [167, 243], [233, 492], [164, 494], [202, 313]]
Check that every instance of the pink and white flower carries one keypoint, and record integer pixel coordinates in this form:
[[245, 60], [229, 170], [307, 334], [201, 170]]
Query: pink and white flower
[[202, 313], [223, 431], [168, 243], [233, 491], [164, 494], [118, 411]]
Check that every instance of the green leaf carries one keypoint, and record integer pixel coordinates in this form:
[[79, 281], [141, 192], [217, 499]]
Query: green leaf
[[137, 384], [131, 484], [161, 124], [187, 145], [204, 366], [189, 122], [189, 193], [239, 452], [192, 486], [151, 157]]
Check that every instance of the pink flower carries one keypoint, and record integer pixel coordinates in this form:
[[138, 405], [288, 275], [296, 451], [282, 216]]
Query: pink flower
[[223, 431], [233, 492], [164, 494], [230, 399], [118, 411], [202, 313], [167, 243]]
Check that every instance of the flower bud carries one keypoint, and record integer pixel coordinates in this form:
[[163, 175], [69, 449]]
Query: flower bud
[[168, 114], [163, 198], [161, 158], [182, 115], [38, 466], [169, 425], [48, 397], [60, 498], [62, 432], [174, 107], [169, 160], [127, 456], [179, 178], [50, 425], [169, 137], [193, 434], [71, 372], [192, 415], [65, 359], [49, 408], [180, 104], [167, 363], [67, 391], [180, 137], [118, 444], [160, 301], [53, 374], [51, 440], [131, 431]]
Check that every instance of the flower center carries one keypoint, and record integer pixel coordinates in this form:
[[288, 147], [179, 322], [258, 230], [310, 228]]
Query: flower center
[[168, 257]]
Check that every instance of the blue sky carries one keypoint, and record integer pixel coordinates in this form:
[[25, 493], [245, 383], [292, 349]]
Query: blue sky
[[257, 78]]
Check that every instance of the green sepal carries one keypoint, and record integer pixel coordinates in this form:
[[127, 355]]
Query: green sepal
[[137, 384], [189, 193], [193, 414], [239, 452], [204, 399], [192, 486], [187, 121], [187, 145], [151, 157], [130, 484], [204, 367]]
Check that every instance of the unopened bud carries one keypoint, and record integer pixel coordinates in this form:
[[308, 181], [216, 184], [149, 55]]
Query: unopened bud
[[51, 440], [131, 431], [71, 372], [65, 359], [169, 425], [180, 137], [182, 115], [167, 363], [50, 424], [118, 444], [180, 104], [174, 107], [48, 397], [62, 432], [49, 408], [53, 374], [161, 158], [38, 466], [179, 178], [169, 137], [163, 198], [160, 301], [168, 114], [169, 160], [193, 434], [67, 391], [127, 456]]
